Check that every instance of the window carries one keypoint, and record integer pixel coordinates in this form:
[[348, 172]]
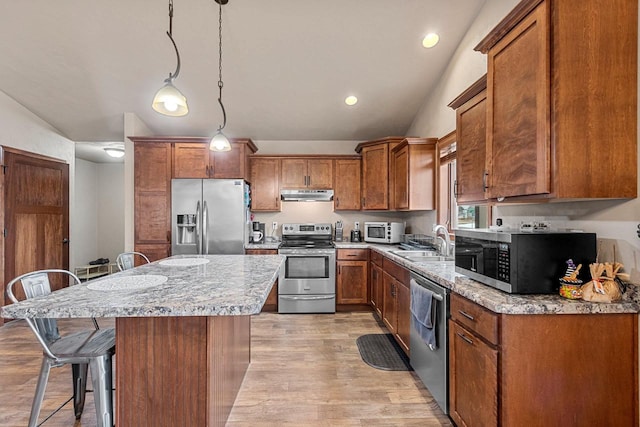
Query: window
[[449, 213]]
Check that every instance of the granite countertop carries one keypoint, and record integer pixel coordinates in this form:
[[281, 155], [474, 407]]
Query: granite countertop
[[498, 301], [224, 285]]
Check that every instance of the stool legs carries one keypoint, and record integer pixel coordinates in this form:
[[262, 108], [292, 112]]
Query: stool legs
[[101, 377], [79, 371]]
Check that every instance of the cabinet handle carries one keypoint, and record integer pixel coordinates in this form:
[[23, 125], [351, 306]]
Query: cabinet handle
[[352, 255], [169, 236], [469, 341], [467, 315], [337, 202], [364, 202], [206, 170], [485, 177], [455, 189]]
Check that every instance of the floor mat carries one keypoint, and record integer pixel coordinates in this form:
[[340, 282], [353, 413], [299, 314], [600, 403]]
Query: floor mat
[[382, 352]]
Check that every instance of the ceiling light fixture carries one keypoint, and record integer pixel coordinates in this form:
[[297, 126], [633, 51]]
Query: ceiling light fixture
[[169, 100], [115, 152], [430, 40], [351, 100], [220, 142]]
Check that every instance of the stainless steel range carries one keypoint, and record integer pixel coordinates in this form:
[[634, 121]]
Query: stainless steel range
[[308, 276]]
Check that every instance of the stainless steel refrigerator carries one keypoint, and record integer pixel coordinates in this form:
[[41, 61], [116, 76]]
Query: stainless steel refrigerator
[[209, 216]]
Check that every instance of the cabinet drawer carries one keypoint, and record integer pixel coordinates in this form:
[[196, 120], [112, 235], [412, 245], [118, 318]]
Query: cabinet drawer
[[353, 254], [376, 257], [475, 318], [400, 273]]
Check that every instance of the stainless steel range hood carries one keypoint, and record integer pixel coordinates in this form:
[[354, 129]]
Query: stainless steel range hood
[[306, 195]]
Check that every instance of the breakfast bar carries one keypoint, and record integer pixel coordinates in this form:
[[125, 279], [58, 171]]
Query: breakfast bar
[[183, 332]]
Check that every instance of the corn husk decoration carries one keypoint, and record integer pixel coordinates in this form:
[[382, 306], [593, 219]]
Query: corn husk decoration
[[602, 287]]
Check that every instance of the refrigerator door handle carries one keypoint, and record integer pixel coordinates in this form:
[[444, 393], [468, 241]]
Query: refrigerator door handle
[[205, 226], [198, 239]]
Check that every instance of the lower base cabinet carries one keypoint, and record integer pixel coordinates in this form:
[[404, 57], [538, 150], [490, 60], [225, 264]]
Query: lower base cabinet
[[396, 302], [352, 275], [541, 370], [271, 304]]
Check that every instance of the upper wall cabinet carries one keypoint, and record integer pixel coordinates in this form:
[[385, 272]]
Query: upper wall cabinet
[[346, 190], [307, 173], [471, 136], [377, 176], [414, 164], [193, 159], [265, 184], [562, 101]]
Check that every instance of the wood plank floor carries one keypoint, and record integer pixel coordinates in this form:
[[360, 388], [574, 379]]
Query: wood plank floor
[[305, 371]]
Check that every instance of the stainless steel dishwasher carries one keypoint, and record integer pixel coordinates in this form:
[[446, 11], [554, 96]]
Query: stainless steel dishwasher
[[432, 365]]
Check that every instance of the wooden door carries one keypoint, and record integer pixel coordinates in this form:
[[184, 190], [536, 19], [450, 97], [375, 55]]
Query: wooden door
[[320, 173], [401, 178], [389, 316], [36, 214], [190, 160], [375, 177], [294, 173], [352, 282], [404, 315], [346, 194], [265, 186], [471, 121], [376, 289], [228, 164], [518, 127]]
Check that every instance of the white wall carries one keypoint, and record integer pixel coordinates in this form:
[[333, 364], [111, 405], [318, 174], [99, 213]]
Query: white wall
[[86, 212], [24, 130], [110, 211]]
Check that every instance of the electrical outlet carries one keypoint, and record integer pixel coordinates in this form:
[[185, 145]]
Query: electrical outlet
[[274, 225], [357, 225]]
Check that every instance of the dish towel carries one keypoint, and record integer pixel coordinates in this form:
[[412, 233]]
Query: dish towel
[[423, 313]]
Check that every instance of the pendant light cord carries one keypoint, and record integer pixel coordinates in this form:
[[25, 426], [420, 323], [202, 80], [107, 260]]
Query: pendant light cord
[[173, 76], [220, 84]]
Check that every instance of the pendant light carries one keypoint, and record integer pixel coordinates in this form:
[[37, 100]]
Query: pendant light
[[220, 142], [169, 100]]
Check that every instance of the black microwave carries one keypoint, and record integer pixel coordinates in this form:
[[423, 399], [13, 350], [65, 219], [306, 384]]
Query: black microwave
[[521, 262]]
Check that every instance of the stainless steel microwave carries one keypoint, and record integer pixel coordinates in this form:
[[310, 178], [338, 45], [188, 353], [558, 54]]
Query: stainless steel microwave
[[522, 262], [383, 232]]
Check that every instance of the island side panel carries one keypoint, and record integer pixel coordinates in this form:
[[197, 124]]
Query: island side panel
[[165, 368], [570, 369]]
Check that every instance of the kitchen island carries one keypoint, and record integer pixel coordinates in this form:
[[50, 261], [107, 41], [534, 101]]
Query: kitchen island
[[182, 332]]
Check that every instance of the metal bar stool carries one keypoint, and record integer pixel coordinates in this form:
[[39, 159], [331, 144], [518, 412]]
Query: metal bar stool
[[92, 349], [126, 260]]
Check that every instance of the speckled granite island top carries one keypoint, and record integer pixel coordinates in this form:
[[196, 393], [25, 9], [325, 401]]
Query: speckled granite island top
[[497, 301], [226, 285]]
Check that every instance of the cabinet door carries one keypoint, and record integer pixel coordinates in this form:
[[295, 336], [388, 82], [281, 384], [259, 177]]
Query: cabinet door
[[154, 252], [294, 173], [471, 121], [351, 285], [518, 127], [389, 316], [320, 173], [265, 187], [190, 160], [473, 379], [346, 187], [228, 164], [376, 289], [152, 193], [401, 179], [375, 177], [403, 312]]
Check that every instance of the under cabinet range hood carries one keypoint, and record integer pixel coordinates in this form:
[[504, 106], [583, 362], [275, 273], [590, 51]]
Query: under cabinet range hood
[[306, 195]]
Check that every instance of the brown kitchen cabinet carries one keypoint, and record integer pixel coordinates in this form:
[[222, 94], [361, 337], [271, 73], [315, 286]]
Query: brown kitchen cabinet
[[556, 118], [265, 184], [193, 159], [377, 182], [316, 173], [517, 370], [154, 252], [352, 277], [396, 302], [152, 196], [471, 136], [414, 168], [376, 290], [346, 187], [271, 304]]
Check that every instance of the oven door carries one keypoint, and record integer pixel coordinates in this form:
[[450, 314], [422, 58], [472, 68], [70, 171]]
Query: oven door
[[308, 272]]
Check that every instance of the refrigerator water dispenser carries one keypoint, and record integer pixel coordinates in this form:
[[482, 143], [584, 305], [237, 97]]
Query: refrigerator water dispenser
[[186, 229]]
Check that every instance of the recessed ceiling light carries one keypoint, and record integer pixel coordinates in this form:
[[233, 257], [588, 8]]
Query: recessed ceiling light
[[116, 152], [351, 100], [430, 40]]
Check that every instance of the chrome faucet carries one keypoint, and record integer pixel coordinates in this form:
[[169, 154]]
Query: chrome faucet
[[441, 229]]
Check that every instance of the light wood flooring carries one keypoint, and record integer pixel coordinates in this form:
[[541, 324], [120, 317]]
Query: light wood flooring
[[305, 371]]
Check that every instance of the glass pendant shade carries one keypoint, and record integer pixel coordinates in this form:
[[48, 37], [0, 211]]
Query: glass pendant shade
[[170, 101], [219, 143]]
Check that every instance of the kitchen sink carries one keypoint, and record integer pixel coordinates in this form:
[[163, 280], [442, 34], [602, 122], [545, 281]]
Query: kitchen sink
[[421, 256]]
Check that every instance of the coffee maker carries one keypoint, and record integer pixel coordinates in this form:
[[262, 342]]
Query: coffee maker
[[355, 233], [257, 232]]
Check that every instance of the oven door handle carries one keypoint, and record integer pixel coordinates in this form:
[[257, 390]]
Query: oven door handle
[[306, 297]]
